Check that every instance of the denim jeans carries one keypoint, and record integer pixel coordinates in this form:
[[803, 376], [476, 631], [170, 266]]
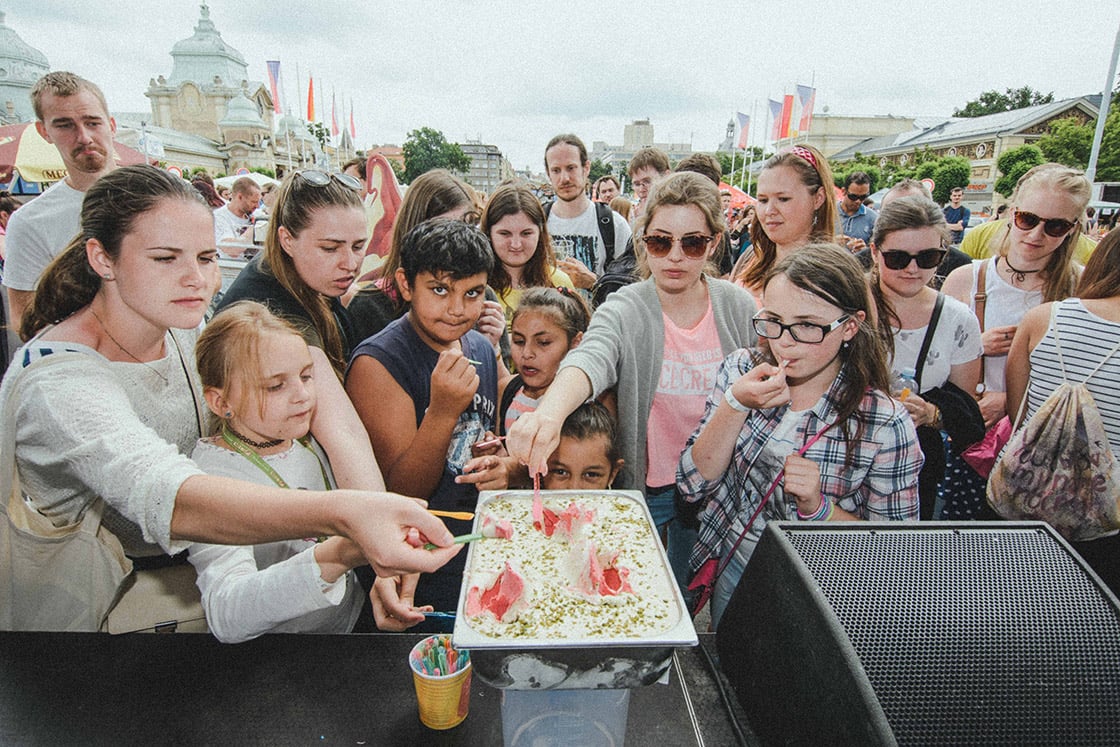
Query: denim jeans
[[679, 539]]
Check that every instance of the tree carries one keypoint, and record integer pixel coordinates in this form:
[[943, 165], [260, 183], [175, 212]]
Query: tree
[[320, 132], [1013, 163], [1068, 142], [949, 173], [1108, 163], [598, 169], [871, 169], [992, 102], [427, 149]]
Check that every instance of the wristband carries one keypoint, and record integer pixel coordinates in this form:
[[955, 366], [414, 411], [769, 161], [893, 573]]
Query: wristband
[[736, 405], [823, 512]]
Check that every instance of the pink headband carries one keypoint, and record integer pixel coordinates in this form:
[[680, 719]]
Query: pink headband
[[803, 152]]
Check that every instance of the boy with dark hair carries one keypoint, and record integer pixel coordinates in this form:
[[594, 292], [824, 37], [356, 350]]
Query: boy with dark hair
[[426, 389]]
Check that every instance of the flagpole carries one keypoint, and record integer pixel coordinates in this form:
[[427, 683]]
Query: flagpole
[[754, 112]]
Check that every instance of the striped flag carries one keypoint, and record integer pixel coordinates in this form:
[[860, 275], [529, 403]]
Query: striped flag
[[273, 83], [310, 98], [787, 112], [807, 97], [744, 130], [775, 119]]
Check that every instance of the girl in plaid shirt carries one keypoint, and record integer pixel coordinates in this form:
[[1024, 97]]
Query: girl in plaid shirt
[[806, 416]]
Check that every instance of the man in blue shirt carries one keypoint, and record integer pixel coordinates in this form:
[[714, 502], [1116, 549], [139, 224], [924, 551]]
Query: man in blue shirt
[[856, 219], [956, 215]]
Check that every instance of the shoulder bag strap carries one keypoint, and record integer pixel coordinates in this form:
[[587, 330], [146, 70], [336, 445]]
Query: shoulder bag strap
[[928, 340], [979, 302]]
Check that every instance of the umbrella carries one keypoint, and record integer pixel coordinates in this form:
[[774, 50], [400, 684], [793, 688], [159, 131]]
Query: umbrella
[[23, 149]]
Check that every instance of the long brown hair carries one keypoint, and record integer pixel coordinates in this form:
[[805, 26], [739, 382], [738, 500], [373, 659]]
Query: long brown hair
[[110, 209], [813, 170], [511, 199], [836, 276], [1101, 278], [901, 214], [298, 200]]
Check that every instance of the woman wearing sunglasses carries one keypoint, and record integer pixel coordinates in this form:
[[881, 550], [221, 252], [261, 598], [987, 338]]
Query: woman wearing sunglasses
[[660, 342], [795, 206], [802, 426], [936, 336], [1034, 265]]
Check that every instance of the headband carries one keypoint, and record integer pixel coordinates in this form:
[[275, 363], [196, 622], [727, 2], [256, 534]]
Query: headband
[[802, 152]]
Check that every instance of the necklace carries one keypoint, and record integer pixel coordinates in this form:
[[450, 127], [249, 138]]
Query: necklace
[[251, 442], [122, 347], [1018, 275]]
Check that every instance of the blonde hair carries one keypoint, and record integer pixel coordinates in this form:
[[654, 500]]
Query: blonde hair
[[1060, 274], [228, 350]]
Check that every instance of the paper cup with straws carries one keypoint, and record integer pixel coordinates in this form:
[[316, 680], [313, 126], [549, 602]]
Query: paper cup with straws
[[442, 675]]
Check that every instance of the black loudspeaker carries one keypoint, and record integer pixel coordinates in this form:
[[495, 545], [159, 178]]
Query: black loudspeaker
[[961, 633]]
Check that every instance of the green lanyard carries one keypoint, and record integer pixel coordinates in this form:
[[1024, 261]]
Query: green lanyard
[[243, 449]]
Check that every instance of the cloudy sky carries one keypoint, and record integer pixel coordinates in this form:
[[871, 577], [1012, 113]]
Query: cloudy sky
[[515, 73]]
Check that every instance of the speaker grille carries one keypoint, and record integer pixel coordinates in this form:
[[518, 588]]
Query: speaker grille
[[974, 636]]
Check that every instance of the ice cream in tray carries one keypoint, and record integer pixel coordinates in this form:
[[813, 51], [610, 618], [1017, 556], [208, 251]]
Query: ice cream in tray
[[579, 594]]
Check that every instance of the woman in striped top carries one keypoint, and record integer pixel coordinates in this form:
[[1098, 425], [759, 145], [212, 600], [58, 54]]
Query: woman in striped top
[[1088, 328]]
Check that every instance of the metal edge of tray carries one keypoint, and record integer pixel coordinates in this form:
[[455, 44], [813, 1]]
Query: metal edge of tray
[[680, 633]]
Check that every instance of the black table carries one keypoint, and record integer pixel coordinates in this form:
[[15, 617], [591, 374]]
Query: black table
[[184, 689]]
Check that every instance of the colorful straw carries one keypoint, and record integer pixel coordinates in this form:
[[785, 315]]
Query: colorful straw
[[436, 657]]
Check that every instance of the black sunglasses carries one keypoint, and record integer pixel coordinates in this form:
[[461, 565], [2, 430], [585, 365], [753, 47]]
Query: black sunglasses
[[1055, 227], [319, 178], [927, 259], [694, 246], [857, 198]]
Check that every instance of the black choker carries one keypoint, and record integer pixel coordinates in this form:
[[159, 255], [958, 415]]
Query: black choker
[[1018, 275], [251, 442]]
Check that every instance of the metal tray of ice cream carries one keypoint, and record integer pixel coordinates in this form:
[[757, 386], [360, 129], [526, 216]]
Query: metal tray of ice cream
[[625, 660]]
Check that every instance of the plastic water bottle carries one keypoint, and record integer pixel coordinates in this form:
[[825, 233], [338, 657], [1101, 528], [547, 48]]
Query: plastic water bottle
[[904, 383]]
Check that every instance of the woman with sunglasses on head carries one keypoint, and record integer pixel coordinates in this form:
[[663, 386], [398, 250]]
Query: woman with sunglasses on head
[[802, 426], [795, 206], [104, 404], [936, 336], [1034, 265], [659, 342]]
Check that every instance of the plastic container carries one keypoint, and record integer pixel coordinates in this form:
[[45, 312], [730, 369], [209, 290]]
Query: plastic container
[[904, 383], [559, 718]]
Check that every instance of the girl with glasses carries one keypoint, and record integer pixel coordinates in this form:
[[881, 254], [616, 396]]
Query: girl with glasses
[[935, 335], [1034, 265], [802, 426], [659, 342], [795, 206]]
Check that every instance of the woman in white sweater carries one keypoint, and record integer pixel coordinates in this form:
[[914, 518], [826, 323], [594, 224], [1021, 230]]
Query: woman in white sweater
[[109, 402]]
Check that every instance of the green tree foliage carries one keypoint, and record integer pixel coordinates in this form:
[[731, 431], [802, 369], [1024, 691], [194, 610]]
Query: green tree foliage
[[1013, 163], [427, 149], [1068, 142], [949, 173], [267, 172], [1108, 163], [598, 169], [320, 132], [991, 102]]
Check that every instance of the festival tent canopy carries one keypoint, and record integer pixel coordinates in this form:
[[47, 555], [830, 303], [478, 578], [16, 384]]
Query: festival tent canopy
[[260, 179], [739, 198], [23, 149]]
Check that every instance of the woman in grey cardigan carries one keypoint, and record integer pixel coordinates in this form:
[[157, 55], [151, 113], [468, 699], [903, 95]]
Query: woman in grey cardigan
[[660, 343]]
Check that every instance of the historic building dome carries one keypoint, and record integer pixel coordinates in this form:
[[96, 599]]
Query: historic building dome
[[206, 58], [20, 66]]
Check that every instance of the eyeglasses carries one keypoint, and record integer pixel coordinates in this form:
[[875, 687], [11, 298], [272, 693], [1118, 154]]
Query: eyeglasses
[[1055, 227], [319, 178], [806, 332], [694, 246], [927, 259]]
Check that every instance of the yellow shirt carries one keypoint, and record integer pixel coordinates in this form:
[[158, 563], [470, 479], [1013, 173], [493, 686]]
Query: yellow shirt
[[512, 297], [982, 242]]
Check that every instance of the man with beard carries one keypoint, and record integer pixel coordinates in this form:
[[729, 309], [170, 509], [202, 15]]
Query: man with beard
[[577, 227], [72, 115]]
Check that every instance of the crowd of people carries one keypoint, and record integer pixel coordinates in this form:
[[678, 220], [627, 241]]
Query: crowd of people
[[796, 363]]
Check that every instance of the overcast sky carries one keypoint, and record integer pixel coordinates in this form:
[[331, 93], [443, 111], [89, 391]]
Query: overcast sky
[[515, 73]]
